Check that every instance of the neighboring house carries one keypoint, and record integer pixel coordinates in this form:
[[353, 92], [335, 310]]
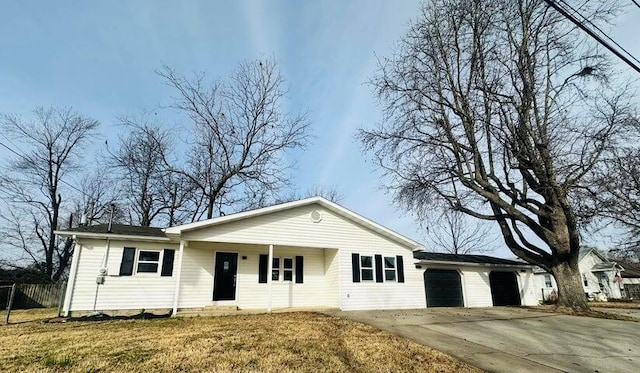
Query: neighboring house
[[475, 280], [631, 279], [601, 278], [310, 254]]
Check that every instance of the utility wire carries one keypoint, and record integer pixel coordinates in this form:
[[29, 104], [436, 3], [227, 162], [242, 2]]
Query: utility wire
[[635, 2], [584, 28], [61, 180], [599, 29]]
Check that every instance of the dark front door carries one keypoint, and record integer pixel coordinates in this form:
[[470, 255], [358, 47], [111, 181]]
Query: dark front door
[[504, 288], [443, 288], [224, 283]]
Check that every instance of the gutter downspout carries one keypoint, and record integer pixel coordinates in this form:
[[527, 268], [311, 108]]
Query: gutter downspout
[[176, 291], [72, 277], [269, 277]]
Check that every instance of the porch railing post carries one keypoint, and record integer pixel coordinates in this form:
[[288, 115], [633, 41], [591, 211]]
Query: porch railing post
[[269, 277]]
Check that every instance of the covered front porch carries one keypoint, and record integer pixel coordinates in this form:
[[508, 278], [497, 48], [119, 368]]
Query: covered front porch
[[223, 276]]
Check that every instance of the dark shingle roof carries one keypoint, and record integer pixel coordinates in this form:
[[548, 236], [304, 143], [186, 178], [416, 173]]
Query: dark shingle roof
[[120, 229], [631, 270], [465, 258]]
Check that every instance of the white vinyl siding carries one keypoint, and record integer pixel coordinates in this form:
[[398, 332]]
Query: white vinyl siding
[[144, 291], [476, 287], [196, 288], [527, 285], [295, 228], [585, 265]]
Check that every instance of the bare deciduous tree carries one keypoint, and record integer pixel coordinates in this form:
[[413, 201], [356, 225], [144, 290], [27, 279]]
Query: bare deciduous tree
[[453, 232], [151, 190], [618, 199], [49, 148], [330, 193], [96, 200], [240, 135], [502, 110]]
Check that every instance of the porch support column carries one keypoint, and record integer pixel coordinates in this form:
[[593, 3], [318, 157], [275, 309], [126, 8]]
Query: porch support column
[[269, 270], [176, 291]]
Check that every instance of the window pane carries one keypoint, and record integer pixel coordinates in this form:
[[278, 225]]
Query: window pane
[[367, 274], [149, 256], [288, 275], [275, 275], [288, 263], [148, 267], [389, 262], [366, 261], [275, 263], [390, 274]]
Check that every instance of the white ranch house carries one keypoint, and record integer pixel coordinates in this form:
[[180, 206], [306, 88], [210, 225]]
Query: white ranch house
[[307, 254]]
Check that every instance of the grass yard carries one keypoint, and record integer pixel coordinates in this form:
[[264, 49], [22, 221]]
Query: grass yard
[[34, 314], [623, 305], [590, 313], [265, 343]]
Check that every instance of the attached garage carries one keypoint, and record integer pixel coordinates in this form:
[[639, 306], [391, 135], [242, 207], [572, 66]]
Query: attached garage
[[504, 288], [452, 280], [443, 288]]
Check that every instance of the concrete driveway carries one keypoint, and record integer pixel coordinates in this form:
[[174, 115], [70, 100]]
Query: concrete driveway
[[505, 339]]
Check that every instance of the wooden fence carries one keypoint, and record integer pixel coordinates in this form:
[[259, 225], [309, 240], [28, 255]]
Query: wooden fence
[[34, 296]]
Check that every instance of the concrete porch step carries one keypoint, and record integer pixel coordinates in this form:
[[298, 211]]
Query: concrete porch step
[[209, 311], [234, 310], [221, 308]]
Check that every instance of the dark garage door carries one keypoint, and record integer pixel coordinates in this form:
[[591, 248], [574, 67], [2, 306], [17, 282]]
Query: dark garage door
[[504, 288], [443, 288]]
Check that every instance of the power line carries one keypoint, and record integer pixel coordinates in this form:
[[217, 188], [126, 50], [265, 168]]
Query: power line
[[584, 28], [11, 150], [60, 179], [599, 29], [635, 2]]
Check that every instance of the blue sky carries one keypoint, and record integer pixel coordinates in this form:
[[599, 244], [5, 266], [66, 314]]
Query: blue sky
[[100, 57]]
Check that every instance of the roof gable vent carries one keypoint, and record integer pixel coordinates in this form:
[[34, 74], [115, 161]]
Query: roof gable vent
[[316, 216]]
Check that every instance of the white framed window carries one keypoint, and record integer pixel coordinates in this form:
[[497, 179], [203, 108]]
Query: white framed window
[[389, 268], [547, 281], [282, 269], [287, 269], [366, 268], [148, 261], [275, 269]]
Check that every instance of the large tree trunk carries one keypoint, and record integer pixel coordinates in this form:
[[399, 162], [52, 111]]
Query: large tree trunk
[[570, 290]]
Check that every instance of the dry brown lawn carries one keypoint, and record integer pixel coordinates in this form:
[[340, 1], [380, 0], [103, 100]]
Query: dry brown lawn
[[589, 313], [35, 314], [624, 305], [258, 343]]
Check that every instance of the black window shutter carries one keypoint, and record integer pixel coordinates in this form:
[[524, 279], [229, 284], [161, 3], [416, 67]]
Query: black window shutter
[[400, 266], [299, 270], [167, 262], [355, 266], [379, 273], [263, 267], [128, 257]]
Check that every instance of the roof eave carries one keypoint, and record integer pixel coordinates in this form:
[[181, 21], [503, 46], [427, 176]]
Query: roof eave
[[111, 236], [342, 211], [444, 262]]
